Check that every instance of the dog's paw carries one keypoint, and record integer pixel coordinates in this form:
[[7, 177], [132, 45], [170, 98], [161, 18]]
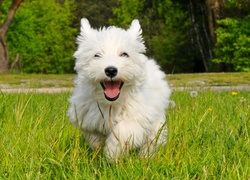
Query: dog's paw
[[112, 149], [115, 149]]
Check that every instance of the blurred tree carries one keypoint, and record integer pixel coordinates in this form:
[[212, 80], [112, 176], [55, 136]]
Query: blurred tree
[[42, 34], [165, 30], [233, 36], [4, 27], [179, 34], [213, 13], [126, 11], [200, 35], [98, 12]]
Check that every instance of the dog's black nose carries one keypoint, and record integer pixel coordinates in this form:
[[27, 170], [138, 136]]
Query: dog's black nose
[[111, 71]]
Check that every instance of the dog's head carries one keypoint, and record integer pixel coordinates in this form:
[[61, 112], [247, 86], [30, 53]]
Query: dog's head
[[111, 59]]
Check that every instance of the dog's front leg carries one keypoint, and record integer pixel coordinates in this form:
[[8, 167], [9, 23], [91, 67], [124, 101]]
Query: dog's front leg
[[126, 135]]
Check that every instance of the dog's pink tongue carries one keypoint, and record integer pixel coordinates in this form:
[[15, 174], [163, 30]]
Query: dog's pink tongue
[[112, 89]]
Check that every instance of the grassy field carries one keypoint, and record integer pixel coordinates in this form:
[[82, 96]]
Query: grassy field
[[35, 80], [208, 139], [177, 80]]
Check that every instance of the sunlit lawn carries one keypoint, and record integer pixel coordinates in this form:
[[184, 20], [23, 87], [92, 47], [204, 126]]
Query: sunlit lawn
[[66, 80], [208, 139]]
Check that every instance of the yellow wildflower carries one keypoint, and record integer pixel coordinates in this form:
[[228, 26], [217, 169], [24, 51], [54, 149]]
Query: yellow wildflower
[[234, 93]]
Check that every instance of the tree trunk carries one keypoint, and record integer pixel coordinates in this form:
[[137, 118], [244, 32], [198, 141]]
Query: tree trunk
[[4, 53], [200, 32], [213, 7]]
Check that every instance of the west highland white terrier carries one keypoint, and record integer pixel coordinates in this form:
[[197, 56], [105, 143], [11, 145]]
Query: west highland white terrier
[[120, 96]]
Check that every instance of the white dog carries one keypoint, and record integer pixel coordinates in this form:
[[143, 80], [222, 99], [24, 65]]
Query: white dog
[[120, 96]]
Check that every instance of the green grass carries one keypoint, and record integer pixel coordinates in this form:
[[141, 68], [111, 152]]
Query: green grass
[[208, 139], [210, 79], [35, 80], [66, 80]]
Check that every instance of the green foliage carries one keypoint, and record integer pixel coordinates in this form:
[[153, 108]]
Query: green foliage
[[171, 37], [4, 10], [208, 139], [238, 4], [41, 33], [164, 25], [127, 11], [233, 43], [98, 12]]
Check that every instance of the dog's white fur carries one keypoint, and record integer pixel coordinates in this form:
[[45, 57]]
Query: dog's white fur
[[136, 120]]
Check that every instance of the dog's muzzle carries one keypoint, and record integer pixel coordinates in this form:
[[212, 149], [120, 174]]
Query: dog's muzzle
[[111, 87]]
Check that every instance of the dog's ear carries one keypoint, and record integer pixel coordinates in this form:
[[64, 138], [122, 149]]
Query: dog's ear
[[85, 27], [135, 30], [86, 30], [135, 26]]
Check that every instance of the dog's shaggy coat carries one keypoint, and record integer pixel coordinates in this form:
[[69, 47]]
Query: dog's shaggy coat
[[120, 96]]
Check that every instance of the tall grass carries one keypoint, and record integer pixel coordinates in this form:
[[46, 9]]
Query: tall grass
[[208, 139]]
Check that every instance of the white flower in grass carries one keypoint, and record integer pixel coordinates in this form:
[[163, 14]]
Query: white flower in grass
[[39, 91], [242, 100], [172, 104], [193, 94]]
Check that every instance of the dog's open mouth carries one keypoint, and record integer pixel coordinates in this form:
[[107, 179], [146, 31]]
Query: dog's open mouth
[[112, 89]]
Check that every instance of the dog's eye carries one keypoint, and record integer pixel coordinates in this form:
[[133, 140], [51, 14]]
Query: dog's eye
[[97, 55], [124, 55]]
